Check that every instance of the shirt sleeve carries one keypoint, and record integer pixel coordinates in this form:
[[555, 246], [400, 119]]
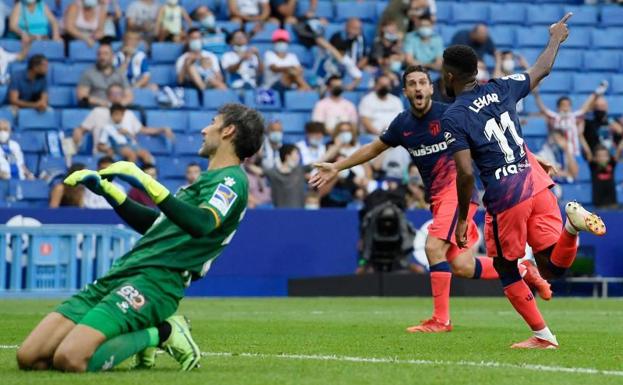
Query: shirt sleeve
[[293, 60], [220, 199], [91, 121], [455, 136], [364, 107], [14, 85], [391, 136], [134, 125], [85, 79], [351, 68], [103, 135], [144, 65], [179, 63], [228, 59], [518, 85]]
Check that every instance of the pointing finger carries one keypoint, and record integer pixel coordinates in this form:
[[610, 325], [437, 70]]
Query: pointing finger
[[565, 18]]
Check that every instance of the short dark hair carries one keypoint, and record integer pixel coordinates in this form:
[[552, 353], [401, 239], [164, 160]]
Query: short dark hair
[[507, 51], [249, 125], [147, 166], [314, 128], [286, 150], [462, 59], [192, 164], [332, 78], [230, 37], [117, 107], [417, 68], [105, 43], [426, 16], [104, 159], [600, 147], [562, 99], [192, 30], [36, 60]]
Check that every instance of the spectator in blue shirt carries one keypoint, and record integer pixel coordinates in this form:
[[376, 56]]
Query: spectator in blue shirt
[[478, 38], [29, 88], [132, 61], [424, 46], [12, 164]]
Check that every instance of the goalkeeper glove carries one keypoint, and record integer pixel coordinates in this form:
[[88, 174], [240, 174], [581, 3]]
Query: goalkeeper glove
[[129, 172], [92, 180]]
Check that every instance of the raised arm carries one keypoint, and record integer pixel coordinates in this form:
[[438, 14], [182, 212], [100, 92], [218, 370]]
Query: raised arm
[[464, 189], [539, 102], [558, 33]]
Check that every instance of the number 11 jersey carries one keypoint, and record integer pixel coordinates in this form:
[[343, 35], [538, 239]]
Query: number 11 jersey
[[484, 120]]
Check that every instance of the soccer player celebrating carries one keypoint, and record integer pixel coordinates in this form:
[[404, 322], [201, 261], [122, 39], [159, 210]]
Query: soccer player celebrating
[[419, 130], [130, 309], [482, 124]]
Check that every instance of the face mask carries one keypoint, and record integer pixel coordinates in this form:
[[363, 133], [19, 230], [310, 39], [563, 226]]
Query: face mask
[[208, 22], [312, 206], [425, 32], [4, 136], [382, 92], [395, 66], [315, 142], [275, 137], [345, 137], [390, 36], [293, 163], [240, 48], [172, 2], [90, 3], [281, 47], [195, 45], [336, 91], [508, 65], [482, 76], [30, 1]]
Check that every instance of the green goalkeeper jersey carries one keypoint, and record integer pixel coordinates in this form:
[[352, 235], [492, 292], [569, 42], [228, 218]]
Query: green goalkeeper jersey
[[223, 192]]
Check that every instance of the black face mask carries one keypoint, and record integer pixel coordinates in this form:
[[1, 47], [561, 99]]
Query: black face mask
[[382, 92], [600, 115], [39, 76], [336, 91]]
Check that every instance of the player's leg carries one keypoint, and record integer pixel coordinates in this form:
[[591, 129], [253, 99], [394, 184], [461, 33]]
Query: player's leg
[[37, 350]]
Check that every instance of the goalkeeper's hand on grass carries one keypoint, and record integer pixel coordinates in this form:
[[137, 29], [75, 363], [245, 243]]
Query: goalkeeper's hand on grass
[[129, 172], [92, 180]]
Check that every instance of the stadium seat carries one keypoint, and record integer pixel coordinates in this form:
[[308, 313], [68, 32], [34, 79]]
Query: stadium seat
[[30, 119], [293, 122], [166, 52], [506, 14], [612, 16], [504, 36], [11, 45], [4, 90], [213, 99], [31, 160], [61, 96], [52, 165], [88, 160], [616, 85], [584, 171], [176, 120], [67, 74], [300, 100], [618, 176], [191, 98], [304, 55], [72, 118], [30, 141], [580, 39], [353, 96], [363, 10], [532, 37], [187, 144], [198, 120], [332, 28], [31, 190], [163, 75], [534, 127], [556, 82], [52, 50], [80, 51], [534, 143], [568, 59], [154, 144], [145, 98], [609, 38], [229, 26], [543, 14], [265, 34], [582, 15], [581, 192], [173, 168], [474, 13], [444, 12], [173, 184], [587, 82], [602, 61], [615, 105], [191, 5], [250, 99], [447, 33]]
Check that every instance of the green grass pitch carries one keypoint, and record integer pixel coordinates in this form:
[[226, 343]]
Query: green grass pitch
[[359, 341]]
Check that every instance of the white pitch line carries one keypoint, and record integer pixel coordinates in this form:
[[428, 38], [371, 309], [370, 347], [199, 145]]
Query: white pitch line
[[420, 362]]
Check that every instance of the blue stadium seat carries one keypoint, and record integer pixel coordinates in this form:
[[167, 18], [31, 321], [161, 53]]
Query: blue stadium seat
[[265, 35], [67, 74], [191, 98], [534, 143], [6, 113], [172, 184], [32, 189], [176, 120], [584, 171], [616, 85], [474, 13], [534, 127], [229, 26], [293, 138], [444, 12], [332, 28], [166, 52], [609, 38], [30, 141], [353, 96], [154, 144], [213, 99], [365, 10], [506, 14], [602, 60], [585, 83], [581, 192], [30, 119], [615, 105], [173, 168], [31, 160], [504, 36], [300, 100], [72, 118], [191, 5], [52, 50], [52, 165], [448, 32], [145, 98], [250, 99], [187, 144], [88, 160], [4, 90], [556, 82], [532, 37], [163, 75], [80, 51], [198, 120], [580, 39], [11, 45], [618, 177], [612, 16], [304, 55], [61, 96], [293, 122], [582, 15], [529, 105], [543, 14], [568, 59]]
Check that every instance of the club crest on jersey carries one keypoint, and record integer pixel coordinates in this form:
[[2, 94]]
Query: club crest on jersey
[[223, 198], [434, 127]]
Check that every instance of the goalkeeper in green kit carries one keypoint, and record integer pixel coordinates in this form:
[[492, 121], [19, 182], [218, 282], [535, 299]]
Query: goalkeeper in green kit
[[130, 310]]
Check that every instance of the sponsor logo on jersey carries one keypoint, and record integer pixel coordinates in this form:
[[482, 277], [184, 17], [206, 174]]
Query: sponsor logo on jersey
[[229, 181], [427, 150], [223, 198], [448, 137], [511, 169], [132, 299], [434, 127]]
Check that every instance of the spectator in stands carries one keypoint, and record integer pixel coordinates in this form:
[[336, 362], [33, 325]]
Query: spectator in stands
[[419, 9], [349, 187], [356, 46], [569, 121], [396, 11], [197, 67], [214, 39], [242, 63], [483, 75], [602, 128], [345, 141], [113, 17], [141, 17], [387, 51], [559, 152], [95, 81], [334, 61], [169, 25], [283, 11], [62, 195], [508, 63], [193, 172], [478, 38], [33, 20], [12, 164], [85, 20], [333, 108], [141, 196], [118, 137], [423, 46], [272, 144], [287, 179], [7, 58], [132, 61], [602, 177], [244, 11], [378, 108], [259, 189], [282, 69], [29, 87], [90, 199], [312, 148]]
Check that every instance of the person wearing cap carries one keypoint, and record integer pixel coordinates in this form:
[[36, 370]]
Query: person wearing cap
[[282, 69]]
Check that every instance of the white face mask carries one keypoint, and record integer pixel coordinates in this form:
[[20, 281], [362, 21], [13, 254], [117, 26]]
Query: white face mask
[[312, 206], [508, 65], [281, 47], [195, 45], [4, 136], [172, 2], [346, 137], [90, 3], [482, 76]]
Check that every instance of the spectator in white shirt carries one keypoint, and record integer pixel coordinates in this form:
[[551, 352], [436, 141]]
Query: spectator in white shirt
[[12, 164], [142, 16], [333, 108], [242, 63], [248, 10], [282, 69], [378, 108], [312, 148], [118, 137], [7, 58], [197, 67]]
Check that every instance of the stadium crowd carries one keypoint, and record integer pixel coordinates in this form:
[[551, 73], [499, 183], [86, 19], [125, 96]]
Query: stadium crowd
[[349, 77]]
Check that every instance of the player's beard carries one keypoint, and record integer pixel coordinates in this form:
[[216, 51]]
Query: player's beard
[[207, 150], [420, 111]]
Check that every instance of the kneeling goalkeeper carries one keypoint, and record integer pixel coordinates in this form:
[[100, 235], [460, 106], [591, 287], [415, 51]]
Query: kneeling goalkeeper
[[130, 310]]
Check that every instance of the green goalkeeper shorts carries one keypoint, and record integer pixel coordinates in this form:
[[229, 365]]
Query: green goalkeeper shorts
[[126, 301]]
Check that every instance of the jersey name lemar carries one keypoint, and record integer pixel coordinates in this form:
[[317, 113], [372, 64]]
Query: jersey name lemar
[[483, 101]]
